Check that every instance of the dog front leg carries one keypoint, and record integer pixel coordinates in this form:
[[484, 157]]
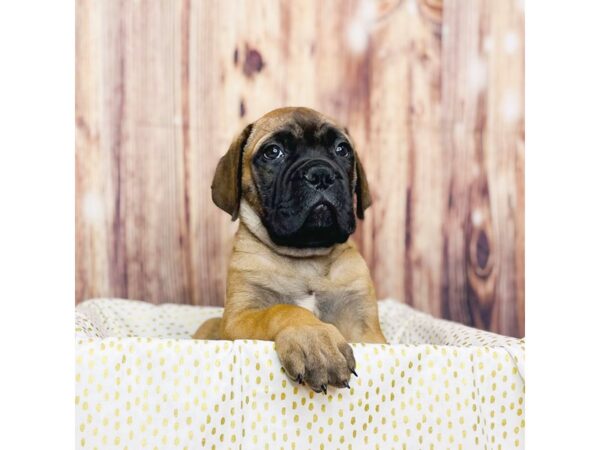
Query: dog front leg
[[310, 351]]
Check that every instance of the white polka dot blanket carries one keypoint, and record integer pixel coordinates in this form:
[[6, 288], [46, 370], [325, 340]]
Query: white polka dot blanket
[[141, 382]]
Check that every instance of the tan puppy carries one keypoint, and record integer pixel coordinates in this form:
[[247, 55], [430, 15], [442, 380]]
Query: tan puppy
[[294, 278]]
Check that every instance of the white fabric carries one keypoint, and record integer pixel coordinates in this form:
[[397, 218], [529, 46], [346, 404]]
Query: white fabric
[[141, 382]]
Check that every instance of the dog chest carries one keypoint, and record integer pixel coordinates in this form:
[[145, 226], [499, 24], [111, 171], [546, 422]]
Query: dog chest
[[332, 306], [309, 302]]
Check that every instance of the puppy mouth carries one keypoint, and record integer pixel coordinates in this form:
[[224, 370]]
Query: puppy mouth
[[321, 215], [317, 226]]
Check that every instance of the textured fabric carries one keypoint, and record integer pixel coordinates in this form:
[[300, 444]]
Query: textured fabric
[[141, 382]]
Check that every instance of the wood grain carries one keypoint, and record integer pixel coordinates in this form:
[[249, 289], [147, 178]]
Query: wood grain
[[431, 91]]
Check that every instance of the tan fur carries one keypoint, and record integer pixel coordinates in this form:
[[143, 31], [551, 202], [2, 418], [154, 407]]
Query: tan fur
[[266, 283], [211, 329]]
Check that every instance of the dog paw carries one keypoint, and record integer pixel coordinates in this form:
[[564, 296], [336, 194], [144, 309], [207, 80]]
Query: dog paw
[[317, 355]]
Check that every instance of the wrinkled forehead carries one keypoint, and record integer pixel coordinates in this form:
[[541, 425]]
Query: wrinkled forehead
[[309, 128]]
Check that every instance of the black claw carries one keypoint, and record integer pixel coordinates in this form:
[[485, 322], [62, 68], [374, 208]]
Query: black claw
[[346, 384], [354, 372], [324, 389], [299, 379]]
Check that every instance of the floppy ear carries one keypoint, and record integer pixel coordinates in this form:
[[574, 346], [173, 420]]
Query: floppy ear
[[227, 183], [363, 196]]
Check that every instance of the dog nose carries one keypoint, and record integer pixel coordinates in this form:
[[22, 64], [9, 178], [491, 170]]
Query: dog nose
[[320, 177]]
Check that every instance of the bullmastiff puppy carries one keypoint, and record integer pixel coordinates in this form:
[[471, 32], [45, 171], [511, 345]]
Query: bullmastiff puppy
[[294, 277]]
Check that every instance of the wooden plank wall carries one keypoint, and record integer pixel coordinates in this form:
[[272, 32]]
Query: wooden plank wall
[[431, 90]]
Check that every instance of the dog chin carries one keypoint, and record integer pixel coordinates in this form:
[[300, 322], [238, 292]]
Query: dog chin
[[319, 229], [308, 237]]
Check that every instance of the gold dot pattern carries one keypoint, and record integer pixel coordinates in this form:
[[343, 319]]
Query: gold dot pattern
[[142, 383]]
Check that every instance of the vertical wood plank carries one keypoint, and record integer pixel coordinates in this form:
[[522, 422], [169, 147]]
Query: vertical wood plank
[[101, 269], [505, 50], [482, 128], [423, 215], [92, 213], [151, 160]]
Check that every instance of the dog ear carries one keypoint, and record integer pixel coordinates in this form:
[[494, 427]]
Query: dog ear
[[227, 183], [363, 196]]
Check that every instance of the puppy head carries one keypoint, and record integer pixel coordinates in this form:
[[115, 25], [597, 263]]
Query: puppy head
[[298, 171]]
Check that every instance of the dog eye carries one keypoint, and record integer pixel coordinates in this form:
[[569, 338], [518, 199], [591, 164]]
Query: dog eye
[[272, 152], [342, 150]]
